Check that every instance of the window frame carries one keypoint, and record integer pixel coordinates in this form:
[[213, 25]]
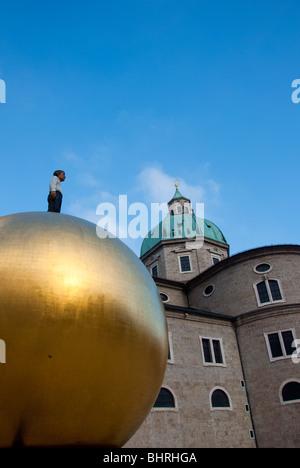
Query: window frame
[[288, 402], [166, 408], [212, 352], [271, 301], [190, 262], [152, 267], [281, 341], [262, 272], [220, 408], [165, 294], [171, 349], [215, 257], [209, 294]]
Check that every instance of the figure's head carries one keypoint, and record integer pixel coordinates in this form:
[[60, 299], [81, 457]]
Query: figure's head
[[60, 174]]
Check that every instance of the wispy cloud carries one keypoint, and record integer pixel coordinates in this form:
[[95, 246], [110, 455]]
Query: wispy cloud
[[72, 157], [85, 207], [155, 185], [158, 186], [152, 185]]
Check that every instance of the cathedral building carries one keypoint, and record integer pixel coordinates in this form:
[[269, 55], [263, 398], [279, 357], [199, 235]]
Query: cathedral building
[[233, 371]]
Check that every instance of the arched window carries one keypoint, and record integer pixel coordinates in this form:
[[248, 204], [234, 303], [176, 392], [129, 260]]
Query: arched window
[[268, 291], [291, 392], [165, 399], [164, 297], [220, 399]]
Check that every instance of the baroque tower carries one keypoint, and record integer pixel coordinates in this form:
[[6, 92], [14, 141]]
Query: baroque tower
[[182, 245]]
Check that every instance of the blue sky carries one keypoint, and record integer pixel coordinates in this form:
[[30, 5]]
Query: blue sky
[[127, 95]]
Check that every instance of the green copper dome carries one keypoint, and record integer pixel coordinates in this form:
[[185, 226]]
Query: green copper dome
[[181, 226], [178, 195]]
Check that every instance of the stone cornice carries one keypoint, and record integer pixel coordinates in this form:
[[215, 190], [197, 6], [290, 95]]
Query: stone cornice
[[240, 257]]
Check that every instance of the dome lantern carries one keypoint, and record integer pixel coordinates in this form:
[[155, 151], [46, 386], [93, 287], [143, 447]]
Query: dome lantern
[[178, 223]]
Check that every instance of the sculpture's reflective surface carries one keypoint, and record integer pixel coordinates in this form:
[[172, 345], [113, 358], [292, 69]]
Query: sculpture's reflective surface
[[85, 334]]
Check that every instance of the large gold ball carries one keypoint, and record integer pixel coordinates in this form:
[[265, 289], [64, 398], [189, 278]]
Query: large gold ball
[[84, 331]]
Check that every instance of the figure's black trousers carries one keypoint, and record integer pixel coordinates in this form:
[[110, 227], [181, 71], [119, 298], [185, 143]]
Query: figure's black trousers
[[55, 205]]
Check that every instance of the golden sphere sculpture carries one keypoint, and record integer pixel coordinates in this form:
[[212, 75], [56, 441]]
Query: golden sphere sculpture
[[85, 335]]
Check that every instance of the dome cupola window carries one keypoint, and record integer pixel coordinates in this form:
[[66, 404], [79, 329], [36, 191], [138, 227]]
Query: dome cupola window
[[185, 264]]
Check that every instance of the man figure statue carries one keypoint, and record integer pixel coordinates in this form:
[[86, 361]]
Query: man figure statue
[[55, 195]]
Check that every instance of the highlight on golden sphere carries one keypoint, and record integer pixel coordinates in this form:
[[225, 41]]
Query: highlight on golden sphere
[[84, 331]]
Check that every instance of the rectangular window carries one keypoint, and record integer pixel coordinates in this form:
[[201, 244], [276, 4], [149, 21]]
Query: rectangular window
[[185, 264], [275, 291], [275, 346], [280, 344], [212, 351], [154, 270], [288, 338], [206, 350], [217, 351], [263, 292]]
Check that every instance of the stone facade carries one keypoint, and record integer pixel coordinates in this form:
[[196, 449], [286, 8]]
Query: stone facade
[[193, 423], [167, 258], [277, 424], [232, 314], [234, 280], [234, 331]]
